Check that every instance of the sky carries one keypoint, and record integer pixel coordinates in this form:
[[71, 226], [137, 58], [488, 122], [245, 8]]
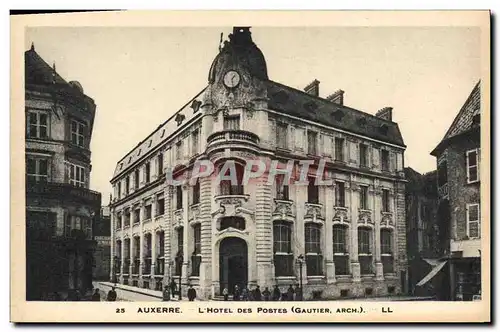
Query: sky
[[139, 77]]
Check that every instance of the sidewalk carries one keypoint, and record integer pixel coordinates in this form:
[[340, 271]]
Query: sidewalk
[[130, 293]]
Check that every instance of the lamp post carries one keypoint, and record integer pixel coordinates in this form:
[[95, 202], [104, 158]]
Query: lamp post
[[300, 260], [180, 261]]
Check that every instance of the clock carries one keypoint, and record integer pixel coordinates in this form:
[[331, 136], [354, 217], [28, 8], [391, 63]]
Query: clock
[[231, 79]]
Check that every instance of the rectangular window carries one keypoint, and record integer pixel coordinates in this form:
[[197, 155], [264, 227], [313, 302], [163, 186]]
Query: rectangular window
[[364, 250], [363, 197], [339, 149], [232, 122], [160, 206], [196, 257], [385, 160], [127, 217], [159, 164], [127, 184], [312, 138], [196, 193], [312, 191], [281, 188], [37, 169], [137, 215], [119, 190], [119, 220], [147, 172], [178, 197], [77, 133], [37, 124], [136, 179], [386, 203], [147, 212], [386, 241], [282, 135], [75, 175], [473, 221], [195, 141], [339, 194], [472, 166], [179, 150], [283, 257], [363, 155], [339, 239], [364, 241]]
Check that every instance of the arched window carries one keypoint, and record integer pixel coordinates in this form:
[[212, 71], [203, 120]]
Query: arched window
[[196, 256], [386, 250], [365, 249], [283, 256], [340, 249], [228, 187], [314, 259]]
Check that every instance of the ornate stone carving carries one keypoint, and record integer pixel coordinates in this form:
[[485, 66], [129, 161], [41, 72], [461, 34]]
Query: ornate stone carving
[[313, 211], [194, 212], [340, 214], [232, 205], [387, 219], [178, 216], [365, 216], [283, 209]]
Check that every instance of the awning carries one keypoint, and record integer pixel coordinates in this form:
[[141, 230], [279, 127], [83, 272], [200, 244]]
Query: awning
[[431, 274]]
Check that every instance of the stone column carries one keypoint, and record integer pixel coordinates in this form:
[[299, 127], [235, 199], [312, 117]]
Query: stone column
[[299, 232], [377, 214], [353, 250], [206, 238], [141, 241], [185, 251], [263, 231], [328, 234], [168, 233]]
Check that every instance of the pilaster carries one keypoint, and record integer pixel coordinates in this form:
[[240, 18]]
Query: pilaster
[[206, 237], [377, 213], [263, 230], [168, 233], [299, 230], [185, 252], [328, 234], [353, 250]]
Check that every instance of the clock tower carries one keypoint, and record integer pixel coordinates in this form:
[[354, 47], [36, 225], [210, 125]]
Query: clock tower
[[237, 82]]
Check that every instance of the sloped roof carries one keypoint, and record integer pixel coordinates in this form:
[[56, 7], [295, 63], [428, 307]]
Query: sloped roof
[[464, 121], [298, 103], [37, 71], [160, 134]]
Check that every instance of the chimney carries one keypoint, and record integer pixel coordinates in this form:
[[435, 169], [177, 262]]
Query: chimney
[[312, 88], [337, 97], [385, 113]]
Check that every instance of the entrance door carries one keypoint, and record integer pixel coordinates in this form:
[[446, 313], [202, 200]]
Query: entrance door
[[233, 263]]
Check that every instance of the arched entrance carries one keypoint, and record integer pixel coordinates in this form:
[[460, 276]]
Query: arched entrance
[[233, 263]]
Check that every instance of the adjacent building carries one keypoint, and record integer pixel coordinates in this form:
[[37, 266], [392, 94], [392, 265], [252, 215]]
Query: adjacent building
[[345, 239], [102, 255], [60, 208], [424, 246], [459, 202]]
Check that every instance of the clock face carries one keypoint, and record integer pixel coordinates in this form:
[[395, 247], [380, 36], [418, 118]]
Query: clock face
[[231, 79]]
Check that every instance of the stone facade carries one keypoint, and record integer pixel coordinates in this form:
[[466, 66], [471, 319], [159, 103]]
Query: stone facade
[[60, 209], [459, 206], [213, 236]]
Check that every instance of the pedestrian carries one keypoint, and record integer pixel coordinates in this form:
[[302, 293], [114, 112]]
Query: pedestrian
[[96, 296], [111, 295], [276, 293], [283, 296], [166, 294], [257, 296], [244, 294], [191, 293], [298, 294], [289, 294], [236, 293], [266, 293], [225, 293], [173, 287]]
